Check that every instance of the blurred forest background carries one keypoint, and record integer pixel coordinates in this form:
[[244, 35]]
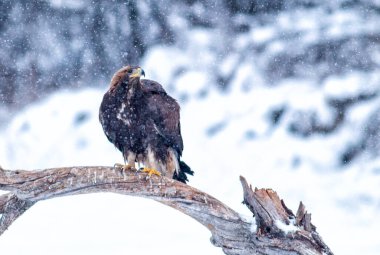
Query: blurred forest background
[[292, 83], [47, 45]]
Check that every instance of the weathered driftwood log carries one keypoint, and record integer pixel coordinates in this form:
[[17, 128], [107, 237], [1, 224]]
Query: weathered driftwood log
[[278, 231]]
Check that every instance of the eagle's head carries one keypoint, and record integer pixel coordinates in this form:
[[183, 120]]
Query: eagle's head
[[126, 75]]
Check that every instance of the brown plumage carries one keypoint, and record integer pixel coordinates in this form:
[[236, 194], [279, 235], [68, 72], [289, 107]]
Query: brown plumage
[[143, 122]]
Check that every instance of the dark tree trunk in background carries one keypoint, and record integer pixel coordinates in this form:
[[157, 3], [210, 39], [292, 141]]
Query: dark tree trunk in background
[[97, 27], [136, 44], [160, 13]]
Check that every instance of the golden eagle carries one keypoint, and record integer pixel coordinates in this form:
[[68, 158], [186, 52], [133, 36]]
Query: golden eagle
[[142, 121]]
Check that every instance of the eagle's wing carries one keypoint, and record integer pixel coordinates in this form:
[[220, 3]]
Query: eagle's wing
[[111, 126], [165, 113]]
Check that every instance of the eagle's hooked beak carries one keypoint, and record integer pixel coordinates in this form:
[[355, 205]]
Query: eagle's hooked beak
[[137, 73]]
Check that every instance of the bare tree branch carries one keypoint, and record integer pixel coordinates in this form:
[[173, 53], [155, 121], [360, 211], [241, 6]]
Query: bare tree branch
[[11, 208], [230, 231]]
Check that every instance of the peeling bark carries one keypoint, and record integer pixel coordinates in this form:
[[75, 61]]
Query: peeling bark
[[229, 230]]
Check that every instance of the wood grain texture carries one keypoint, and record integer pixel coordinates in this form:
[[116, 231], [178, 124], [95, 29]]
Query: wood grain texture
[[230, 231]]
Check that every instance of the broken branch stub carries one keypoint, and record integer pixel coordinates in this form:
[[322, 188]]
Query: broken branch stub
[[275, 221]]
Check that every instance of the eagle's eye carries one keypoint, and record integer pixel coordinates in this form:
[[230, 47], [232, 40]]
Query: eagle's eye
[[130, 71]]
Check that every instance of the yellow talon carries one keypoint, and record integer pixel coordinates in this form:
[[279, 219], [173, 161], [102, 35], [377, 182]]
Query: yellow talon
[[151, 171], [125, 167]]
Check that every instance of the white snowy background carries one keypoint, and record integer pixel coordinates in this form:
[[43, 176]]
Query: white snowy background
[[258, 127]]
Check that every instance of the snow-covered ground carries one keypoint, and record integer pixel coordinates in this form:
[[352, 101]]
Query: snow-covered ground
[[225, 136]]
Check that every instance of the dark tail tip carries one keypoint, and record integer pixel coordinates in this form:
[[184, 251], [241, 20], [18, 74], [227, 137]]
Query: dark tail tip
[[184, 169]]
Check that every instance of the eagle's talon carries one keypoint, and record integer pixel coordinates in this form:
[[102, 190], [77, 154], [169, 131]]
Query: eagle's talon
[[151, 171]]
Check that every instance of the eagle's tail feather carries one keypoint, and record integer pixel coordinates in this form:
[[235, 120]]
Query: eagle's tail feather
[[183, 170]]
